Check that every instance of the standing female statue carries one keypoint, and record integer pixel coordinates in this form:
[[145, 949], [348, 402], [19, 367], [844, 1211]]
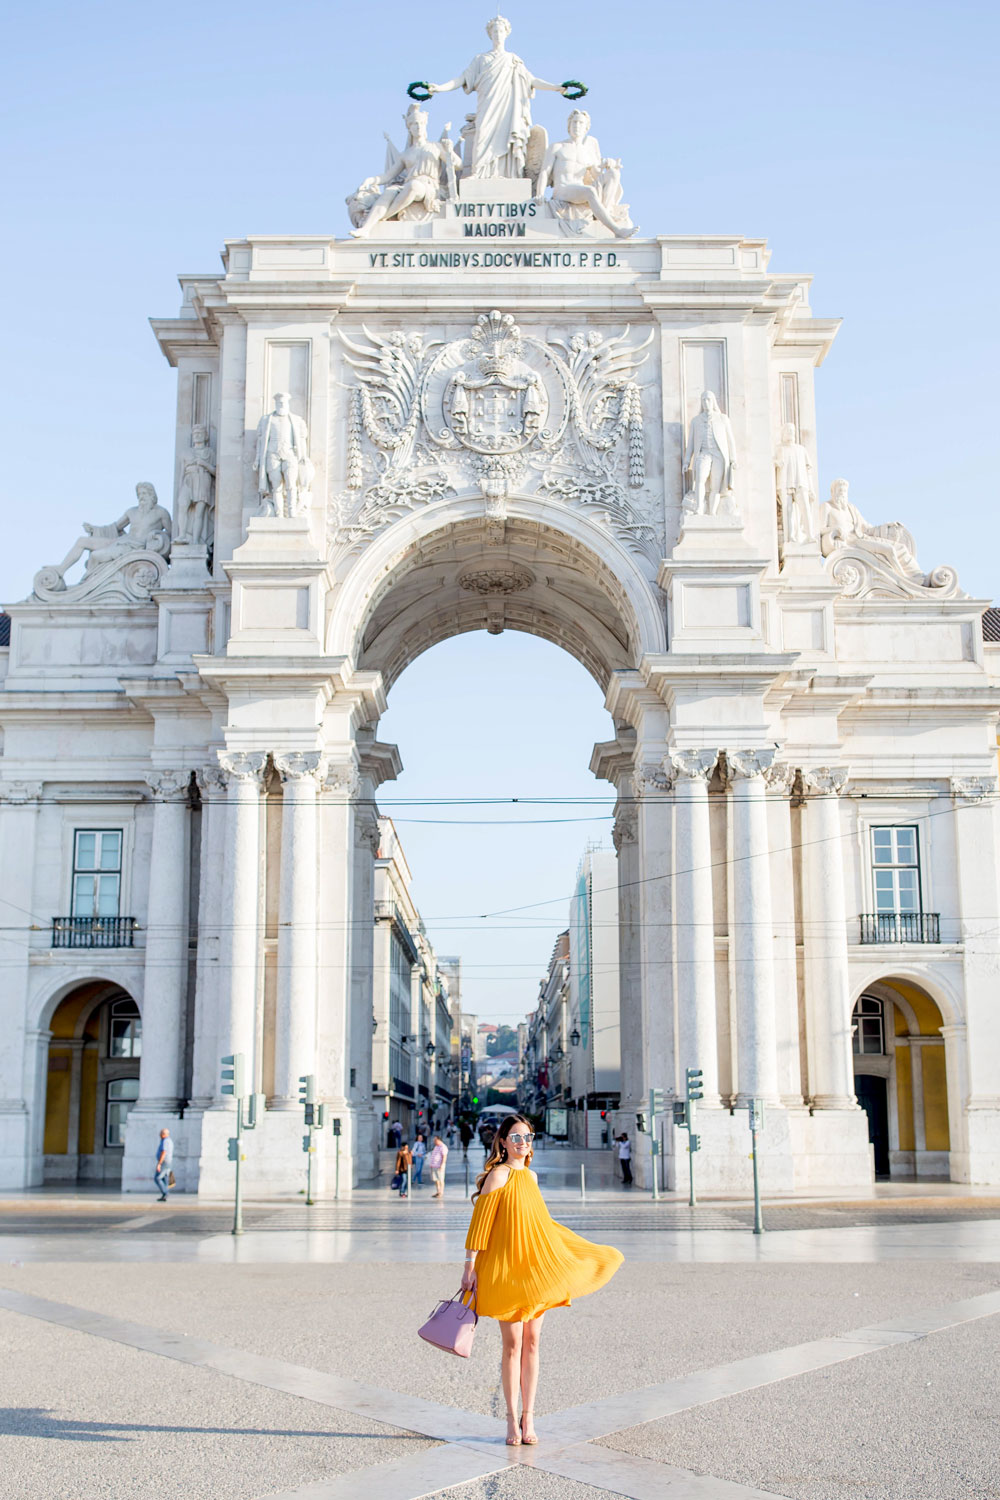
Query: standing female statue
[[503, 87]]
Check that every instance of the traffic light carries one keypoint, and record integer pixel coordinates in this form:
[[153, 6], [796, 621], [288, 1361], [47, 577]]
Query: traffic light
[[475, 1099], [640, 1122], [385, 1114], [694, 1143], [336, 1125], [604, 1114], [307, 1096], [234, 1075], [234, 1148], [693, 1083], [656, 1101], [680, 1113]]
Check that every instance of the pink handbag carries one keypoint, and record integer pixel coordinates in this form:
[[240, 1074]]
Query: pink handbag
[[452, 1326]]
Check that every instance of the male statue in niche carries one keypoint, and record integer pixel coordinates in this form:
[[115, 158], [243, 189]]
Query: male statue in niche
[[196, 498], [281, 462], [709, 460], [503, 87]]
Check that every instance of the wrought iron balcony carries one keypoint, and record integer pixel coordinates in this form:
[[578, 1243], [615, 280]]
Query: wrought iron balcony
[[93, 932], [901, 927]]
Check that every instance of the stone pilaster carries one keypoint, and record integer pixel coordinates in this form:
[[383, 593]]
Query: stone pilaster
[[752, 936], [295, 1024], [697, 1039], [828, 991], [22, 1087], [240, 935], [165, 987], [780, 779]]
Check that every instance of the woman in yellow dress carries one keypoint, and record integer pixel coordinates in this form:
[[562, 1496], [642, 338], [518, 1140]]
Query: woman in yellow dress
[[519, 1262]]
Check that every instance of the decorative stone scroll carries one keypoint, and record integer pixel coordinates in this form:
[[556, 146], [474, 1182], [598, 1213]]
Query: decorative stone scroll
[[974, 788], [497, 411], [694, 765], [125, 558], [746, 765], [825, 781], [626, 827], [877, 561], [342, 779], [496, 581], [243, 765], [367, 833], [169, 786], [652, 780]]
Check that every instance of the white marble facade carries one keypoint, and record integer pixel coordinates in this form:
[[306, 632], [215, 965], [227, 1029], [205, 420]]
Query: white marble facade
[[387, 439]]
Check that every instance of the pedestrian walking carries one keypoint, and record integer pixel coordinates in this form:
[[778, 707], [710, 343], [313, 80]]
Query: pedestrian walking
[[486, 1136], [519, 1262], [625, 1157], [404, 1160], [449, 1132], [162, 1175], [395, 1135], [419, 1155], [436, 1161], [465, 1133]]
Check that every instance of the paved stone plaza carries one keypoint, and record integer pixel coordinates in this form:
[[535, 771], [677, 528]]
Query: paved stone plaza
[[154, 1357]]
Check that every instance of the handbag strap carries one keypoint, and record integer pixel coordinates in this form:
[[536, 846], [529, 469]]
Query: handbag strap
[[473, 1303]]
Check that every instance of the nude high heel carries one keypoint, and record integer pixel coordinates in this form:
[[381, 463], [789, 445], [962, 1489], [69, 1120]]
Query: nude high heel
[[514, 1442], [529, 1442]]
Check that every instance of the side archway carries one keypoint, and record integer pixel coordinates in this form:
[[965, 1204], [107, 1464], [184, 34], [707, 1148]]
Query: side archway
[[901, 1071], [92, 1081]]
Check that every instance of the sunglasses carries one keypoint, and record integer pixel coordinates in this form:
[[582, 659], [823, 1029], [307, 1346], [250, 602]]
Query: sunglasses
[[521, 1140]]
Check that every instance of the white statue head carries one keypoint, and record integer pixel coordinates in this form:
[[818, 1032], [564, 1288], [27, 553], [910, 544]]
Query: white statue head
[[416, 124], [281, 400], [498, 29], [145, 493], [708, 401], [838, 492], [199, 434], [578, 124], [788, 432]]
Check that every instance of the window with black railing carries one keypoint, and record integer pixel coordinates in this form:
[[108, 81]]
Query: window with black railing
[[93, 932], [899, 916]]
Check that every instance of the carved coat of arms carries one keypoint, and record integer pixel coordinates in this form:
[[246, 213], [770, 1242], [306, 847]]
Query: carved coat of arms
[[499, 409]]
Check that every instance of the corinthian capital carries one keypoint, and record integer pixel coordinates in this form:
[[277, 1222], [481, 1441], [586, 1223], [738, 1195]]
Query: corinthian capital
[[168, 786], [342, 779], [745, 765], [694, 765], [825, 781], [652, 779], [211, 782], [367, 834], [243, 765], [626, 829], [299, 765], [780, 778], [973, 788]]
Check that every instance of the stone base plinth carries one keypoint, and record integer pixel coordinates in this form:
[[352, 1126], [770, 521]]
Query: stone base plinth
[[831, 1149], [15, 1154]]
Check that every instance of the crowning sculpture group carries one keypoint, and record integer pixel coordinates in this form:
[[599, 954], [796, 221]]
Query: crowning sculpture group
[[521, 396]]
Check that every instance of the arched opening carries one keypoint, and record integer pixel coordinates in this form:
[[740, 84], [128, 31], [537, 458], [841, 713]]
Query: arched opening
[[900, 1078], [92, 1083]]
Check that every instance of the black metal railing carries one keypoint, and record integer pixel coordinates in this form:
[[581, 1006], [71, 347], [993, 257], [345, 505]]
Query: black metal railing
[[400, 1086], [93, 932], [901, 927]]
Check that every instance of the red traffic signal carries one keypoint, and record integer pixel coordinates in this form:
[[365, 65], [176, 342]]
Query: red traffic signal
[[604, 1114], [385, 1114]]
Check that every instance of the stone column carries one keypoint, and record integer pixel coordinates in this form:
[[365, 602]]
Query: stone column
[[752, 934], [697, 1039], [360, 1037], [165, 986], [976, 820], [239, 930], [780, 779], [295, 1020], [652, 787], [76, 1046], [824, 941]]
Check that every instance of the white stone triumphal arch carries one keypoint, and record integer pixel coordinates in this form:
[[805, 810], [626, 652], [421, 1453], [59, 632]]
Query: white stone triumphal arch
[[495, 404]]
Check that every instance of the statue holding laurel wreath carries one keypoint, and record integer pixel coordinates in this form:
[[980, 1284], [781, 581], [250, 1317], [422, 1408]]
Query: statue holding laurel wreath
[[498, 143]]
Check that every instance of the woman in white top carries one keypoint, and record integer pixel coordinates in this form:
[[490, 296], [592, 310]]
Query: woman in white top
[[625, 1157]]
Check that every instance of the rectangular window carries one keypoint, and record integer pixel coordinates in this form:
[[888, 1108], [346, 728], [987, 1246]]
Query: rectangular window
[[122, 1094], [790, 402], [896, 870], [97, 872]]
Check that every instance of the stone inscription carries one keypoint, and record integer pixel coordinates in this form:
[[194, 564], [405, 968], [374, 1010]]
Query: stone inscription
[[526, 260]]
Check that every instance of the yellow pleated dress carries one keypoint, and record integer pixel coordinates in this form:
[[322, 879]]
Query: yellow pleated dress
[[526, 1262]]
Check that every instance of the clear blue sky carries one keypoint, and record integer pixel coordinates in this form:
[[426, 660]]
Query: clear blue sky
[[859, 139]]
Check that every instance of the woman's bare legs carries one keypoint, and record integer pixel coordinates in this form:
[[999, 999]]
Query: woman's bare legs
[[529, 1375], [510, 1374]]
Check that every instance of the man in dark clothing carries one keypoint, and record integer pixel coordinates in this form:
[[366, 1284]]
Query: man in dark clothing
[[395, 1134], [465, 1131]]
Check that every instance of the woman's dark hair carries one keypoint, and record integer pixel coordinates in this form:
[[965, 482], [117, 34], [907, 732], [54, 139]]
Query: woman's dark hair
[[498, 1151]]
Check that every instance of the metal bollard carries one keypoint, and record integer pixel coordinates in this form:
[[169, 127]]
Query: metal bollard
[[466, 1176], [409, 1186], [583, 1183]]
